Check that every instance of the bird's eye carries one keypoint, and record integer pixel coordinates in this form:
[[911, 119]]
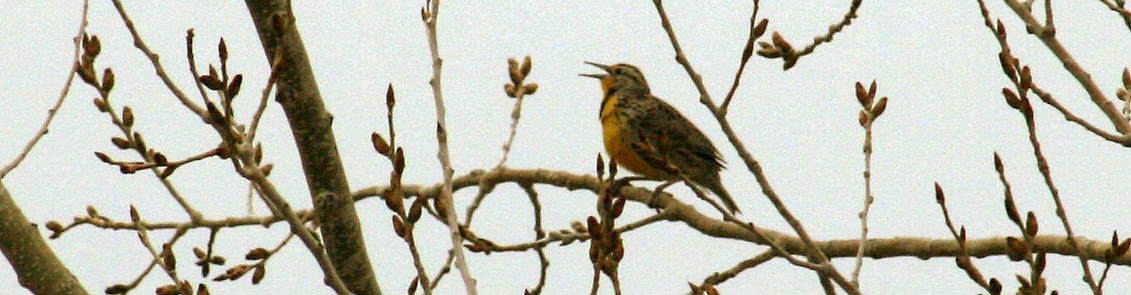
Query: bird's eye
[[617, 71]]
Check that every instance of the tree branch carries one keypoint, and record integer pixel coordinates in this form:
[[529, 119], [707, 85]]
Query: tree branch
[[297, 92]]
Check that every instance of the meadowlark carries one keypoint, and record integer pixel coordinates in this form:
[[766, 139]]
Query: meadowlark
[[645, 135]]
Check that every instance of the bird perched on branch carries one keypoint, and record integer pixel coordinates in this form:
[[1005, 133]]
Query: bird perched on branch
[[649, 137]]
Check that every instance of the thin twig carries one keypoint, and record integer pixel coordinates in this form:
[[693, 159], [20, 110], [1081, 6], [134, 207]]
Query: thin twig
[[143, 236], [264, 97], [751, 163], [747, 52], [516, 113], [1047, 98], [868, 198], [723, 276], [539, 233], [1061, 211], [155, 60], [963, 256], [1123, 12], [190, 54], [828, 36], [273, 198], [77, 52], [429, 16], [1047, 34]]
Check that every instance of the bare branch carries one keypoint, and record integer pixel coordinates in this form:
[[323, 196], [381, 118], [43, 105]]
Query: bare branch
[[429, 15]]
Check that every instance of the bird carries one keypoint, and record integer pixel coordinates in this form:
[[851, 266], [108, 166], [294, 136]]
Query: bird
[[645, 135]]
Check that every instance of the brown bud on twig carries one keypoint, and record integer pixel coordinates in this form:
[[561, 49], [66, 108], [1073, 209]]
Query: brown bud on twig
[[998, 166], [939, 196], [1026, 78], [134, 216], [212, 82], [127, 116], [86, 73], [117, 289], [257, 276], [223, 50], [530, 88], [1031, 227], [92, 46], [1016, 249], [167, 290], [760, 29], [768, 50], [594, 227], [617, 208], [1011, 98], [526, 65], [782, 44], [198, 252], [1041, 261], [600, 167], [234, 86], [879, 108], [441, 207], [510, 90], [863, 119], [379, 144], [390, 97], [167, 257], [214, 114], [513, 71], [394, 201], [398, 226], [120, 142], [160, 159], [54, 226], [612, 167], [257, 254], [416, 210], [101, 105], [862, 96], [398, 162], [107, 80], [618, 251], [103, 157], [1007, 65], [1011, 210], [1122, 248], [1126, 78]]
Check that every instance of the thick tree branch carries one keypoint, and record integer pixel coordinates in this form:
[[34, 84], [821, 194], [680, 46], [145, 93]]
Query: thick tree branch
[[39, 270], [311, 123], [919, 247]]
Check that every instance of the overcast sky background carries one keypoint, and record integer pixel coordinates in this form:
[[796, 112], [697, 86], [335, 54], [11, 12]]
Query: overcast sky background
[[933, 59]]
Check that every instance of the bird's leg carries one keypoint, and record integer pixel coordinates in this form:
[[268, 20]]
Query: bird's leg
[[617, 184], [652, 203]]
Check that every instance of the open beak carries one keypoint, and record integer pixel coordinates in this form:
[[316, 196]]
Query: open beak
[[600, 66]]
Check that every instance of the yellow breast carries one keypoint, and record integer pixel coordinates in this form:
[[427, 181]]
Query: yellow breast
[[618, 139]]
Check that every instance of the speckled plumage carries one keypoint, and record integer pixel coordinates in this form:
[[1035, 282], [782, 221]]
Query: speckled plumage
[[643, 133]]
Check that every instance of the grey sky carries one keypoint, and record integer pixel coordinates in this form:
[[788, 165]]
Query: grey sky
[[933, 59]]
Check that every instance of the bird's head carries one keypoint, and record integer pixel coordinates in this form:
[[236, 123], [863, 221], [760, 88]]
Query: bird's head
[[619, 76]]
